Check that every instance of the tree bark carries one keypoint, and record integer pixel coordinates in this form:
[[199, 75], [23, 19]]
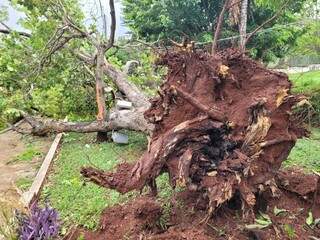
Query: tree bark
[[129, 89], [100, 96], [124, 119], [243, 25]]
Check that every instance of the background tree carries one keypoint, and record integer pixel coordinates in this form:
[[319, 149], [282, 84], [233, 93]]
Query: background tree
[[154, 19]]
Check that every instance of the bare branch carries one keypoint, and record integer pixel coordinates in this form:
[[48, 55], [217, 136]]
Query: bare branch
[[103, 19], [5, 25], [218, 28], [113, 25], [7, 31], [277, 14], [131, 91]]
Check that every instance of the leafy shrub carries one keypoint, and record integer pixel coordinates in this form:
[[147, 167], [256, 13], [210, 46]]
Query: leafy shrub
[[49, 101]]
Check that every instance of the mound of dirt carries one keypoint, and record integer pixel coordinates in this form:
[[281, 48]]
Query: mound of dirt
[[288, 211], [223, 126]]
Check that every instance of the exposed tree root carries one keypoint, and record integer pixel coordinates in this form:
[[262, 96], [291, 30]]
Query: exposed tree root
[[222, 127]]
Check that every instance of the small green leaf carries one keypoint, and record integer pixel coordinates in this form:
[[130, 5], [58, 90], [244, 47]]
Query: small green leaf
[[309, 220], [263, 222], [265, 216], [10, 69], [289, 230], [278, 211]]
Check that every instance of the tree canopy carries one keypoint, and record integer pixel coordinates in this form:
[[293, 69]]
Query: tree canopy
[[155, 19]]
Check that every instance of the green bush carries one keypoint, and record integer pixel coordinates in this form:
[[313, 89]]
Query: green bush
[[49, 101]]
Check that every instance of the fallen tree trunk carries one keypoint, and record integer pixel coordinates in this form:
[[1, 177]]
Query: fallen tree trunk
[[223, 126], [123, 119], [131, 91]]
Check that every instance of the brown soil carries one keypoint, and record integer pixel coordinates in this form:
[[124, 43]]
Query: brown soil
[[12, 145], [223, 126], [141, 218]]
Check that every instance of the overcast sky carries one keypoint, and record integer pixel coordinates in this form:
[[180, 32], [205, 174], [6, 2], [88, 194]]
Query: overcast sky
[[90, 7]]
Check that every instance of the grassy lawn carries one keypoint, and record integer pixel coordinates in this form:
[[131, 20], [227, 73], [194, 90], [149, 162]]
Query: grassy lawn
[[306, 153], [81, 203], [78, 202], [308, 82]]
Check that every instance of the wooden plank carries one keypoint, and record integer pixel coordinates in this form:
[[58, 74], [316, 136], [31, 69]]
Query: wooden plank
[[29, 196]]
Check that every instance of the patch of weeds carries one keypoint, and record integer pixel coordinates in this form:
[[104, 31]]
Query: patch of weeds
[[8, 225], [164, 196], [24, 183], [289, 230], [28, 155], [79, 202], [164, 188]]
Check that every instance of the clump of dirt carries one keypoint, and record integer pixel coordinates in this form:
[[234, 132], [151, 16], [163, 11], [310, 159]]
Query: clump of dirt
[[287, 210], [223, 126], [131, 220]]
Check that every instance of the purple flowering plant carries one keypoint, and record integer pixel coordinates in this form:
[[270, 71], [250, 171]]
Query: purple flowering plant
[[41, 224]]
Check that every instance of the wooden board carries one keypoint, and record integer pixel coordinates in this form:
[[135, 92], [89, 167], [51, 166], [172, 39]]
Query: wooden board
[[29, 196]]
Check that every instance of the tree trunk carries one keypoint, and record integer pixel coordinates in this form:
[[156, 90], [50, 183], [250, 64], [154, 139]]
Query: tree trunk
[[100, 95], [243, 25], [124, 119], [129, 89]]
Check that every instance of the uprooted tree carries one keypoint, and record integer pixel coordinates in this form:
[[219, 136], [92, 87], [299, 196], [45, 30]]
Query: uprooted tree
[[112, 119], [221, 125]]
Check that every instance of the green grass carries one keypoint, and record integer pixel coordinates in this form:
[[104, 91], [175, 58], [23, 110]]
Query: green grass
[[81, 203], [307, 83], [24, 183], [306, 153], [28, 154]]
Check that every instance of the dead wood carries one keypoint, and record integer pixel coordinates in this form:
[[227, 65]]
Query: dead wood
[[123, 119]]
